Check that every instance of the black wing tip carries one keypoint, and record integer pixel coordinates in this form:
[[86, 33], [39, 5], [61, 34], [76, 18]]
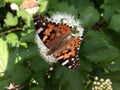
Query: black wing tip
[[38, 16], [70, 64], [77, 64]]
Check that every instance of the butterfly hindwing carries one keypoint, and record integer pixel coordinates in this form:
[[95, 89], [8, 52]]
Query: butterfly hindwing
[[68, 54]]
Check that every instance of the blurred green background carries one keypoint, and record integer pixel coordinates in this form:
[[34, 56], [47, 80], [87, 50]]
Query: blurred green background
[[21, 63]]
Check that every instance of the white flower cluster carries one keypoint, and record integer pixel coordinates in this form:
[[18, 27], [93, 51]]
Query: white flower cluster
[[69, 20], [101, 84]]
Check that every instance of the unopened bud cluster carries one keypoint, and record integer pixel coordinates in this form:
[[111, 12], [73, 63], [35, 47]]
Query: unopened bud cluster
[[101, 84]]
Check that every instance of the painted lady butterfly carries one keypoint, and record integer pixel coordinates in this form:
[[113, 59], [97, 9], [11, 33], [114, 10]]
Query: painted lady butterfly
[[57, 38]]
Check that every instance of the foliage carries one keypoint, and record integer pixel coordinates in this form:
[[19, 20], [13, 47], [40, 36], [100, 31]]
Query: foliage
[[21, 63]]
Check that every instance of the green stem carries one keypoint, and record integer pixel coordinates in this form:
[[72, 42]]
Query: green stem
[[11, 30]]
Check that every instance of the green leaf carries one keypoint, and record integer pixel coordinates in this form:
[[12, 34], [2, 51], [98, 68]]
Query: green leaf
[[38, 64], [3, 84], [66, 9], [86, 65], [15, 1], [89, 17], [43, 5], [4, 54], [110, 7], [80, 4], [28, 36], [114, 65], [13, 57], [98, 49], [39, 78], [115, 23], [11, 20], [12, 38], [28, 53], [2, 3], [20, 74], [26, 16], [69, 79]]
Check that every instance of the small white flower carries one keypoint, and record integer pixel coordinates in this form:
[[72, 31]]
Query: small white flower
[[107, 80], [112, 62], [94, 82], [96, 88], [14, 6], [101, 86], [98, 83], [101, 80], [96, 78]]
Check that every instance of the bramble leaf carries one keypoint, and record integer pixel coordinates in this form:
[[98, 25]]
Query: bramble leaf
[[89, 17], [98, 48], [115, 23], [11, 20]]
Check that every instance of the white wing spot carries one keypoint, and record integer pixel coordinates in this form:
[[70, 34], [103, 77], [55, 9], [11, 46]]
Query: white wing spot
[[77, 48], [35, 23], [65, 62], [39, 30], [73, 62], [69, 67], [44, 24], [76, 56], [72, 59]]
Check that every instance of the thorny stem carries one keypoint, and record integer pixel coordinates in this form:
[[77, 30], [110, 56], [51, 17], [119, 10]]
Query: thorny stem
[[11, 30]]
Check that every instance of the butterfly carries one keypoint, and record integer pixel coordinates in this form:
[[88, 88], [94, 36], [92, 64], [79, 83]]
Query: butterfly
[[57, 38]]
